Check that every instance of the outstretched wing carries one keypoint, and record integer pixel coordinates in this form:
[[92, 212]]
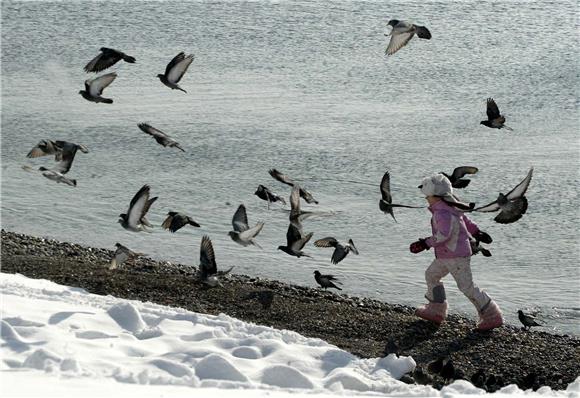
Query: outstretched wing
[[339, 254], [386, 188], [326, 242], [492, 109], [252, 232], [398, 41], [281, 177], [108, 57], [207, 264], [292, 235], [522, 187], [240, 220], [66, 158], [459, 172], [148, 129], [352, 247], [295, 201], [98, 84], [137, 206], [179, 68], [44, 147]]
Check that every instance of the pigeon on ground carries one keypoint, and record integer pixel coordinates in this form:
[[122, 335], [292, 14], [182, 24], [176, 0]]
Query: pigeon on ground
[[421, 377], [264, 297], [386, 203], [176, 221], [296, 240], [175, 71], [448, 371], [476, 247], [94, 88], [160, 136], [134, 220], [242, 233], [264, 193], [456, 178], [307, 196], [121, 255], [436, 366], [326, 281], [391, 348], [513, 205], [108, 57], [527, 320], [494, 119], [340, 250], [207, 266], [53, 175], [478, 379], [402, 32]]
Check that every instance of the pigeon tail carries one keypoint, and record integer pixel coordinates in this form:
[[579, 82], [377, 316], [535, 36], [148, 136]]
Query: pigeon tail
[[107, 101]]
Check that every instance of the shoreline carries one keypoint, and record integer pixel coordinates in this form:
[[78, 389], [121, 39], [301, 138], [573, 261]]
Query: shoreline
[[362, 326]]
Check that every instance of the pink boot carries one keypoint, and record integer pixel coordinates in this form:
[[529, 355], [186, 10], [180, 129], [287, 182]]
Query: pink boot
[[434, 312], [490, 317]]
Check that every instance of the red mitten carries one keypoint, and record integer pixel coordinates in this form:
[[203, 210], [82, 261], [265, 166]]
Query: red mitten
[[418, 246]]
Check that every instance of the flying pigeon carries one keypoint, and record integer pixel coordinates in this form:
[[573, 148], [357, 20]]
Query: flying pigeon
[[176, 221], [94, 88], [402, 32], [326, 281], [513, 205], [307, 196], [295, 240], [386, 203], [494, 119], [340, 250], [207, 266], [160, 136], [121, 255], [527, 320], [456, 178], [242, 233], [264, 193], [134, 220], [108, 57], [53, 175], [175, 71], [49, 147]]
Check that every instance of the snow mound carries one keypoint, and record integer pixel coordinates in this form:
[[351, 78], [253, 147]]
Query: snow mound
[[73, 343]]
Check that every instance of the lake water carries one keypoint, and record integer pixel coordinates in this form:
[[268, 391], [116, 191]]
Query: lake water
[[305, 87]]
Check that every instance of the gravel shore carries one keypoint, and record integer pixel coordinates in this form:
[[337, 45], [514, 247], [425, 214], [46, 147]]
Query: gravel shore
[[361, 326]]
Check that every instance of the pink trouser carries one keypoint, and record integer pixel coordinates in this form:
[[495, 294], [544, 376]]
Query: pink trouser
[[460, 269]]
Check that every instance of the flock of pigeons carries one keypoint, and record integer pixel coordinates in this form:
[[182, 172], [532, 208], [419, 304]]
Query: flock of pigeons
[[511, 205]]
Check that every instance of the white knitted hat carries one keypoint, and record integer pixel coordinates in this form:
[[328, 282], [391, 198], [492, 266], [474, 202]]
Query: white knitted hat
[[436, 185]]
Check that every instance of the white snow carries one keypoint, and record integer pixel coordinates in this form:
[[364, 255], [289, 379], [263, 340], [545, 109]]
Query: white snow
[[58, 341]]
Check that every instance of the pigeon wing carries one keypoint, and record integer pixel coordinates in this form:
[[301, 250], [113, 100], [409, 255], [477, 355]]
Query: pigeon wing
[[44, 147], [108, 57], [148, 129], [492, 109], [292, 235], [252, 232], [167, 223], [386, 188], [352, 247], [178, 58], [299, 244], [326, 242], [459, 172], [307, 196], [339, 254], [295, 201], [207, 264], [281, 177], [98, 84], [488, 208], [179, 69], [66, 158], [398, 41], [240, 219], [522, 187], [138, 204]]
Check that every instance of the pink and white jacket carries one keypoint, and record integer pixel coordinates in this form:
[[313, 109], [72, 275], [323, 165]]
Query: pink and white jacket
[[451, 231]]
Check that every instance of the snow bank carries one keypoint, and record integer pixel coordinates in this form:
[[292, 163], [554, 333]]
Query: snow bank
[[61, 341]]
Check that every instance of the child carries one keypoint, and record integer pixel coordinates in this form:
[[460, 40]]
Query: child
[[451, 232]]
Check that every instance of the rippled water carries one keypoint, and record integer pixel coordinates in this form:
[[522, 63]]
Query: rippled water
[[305, 87]]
